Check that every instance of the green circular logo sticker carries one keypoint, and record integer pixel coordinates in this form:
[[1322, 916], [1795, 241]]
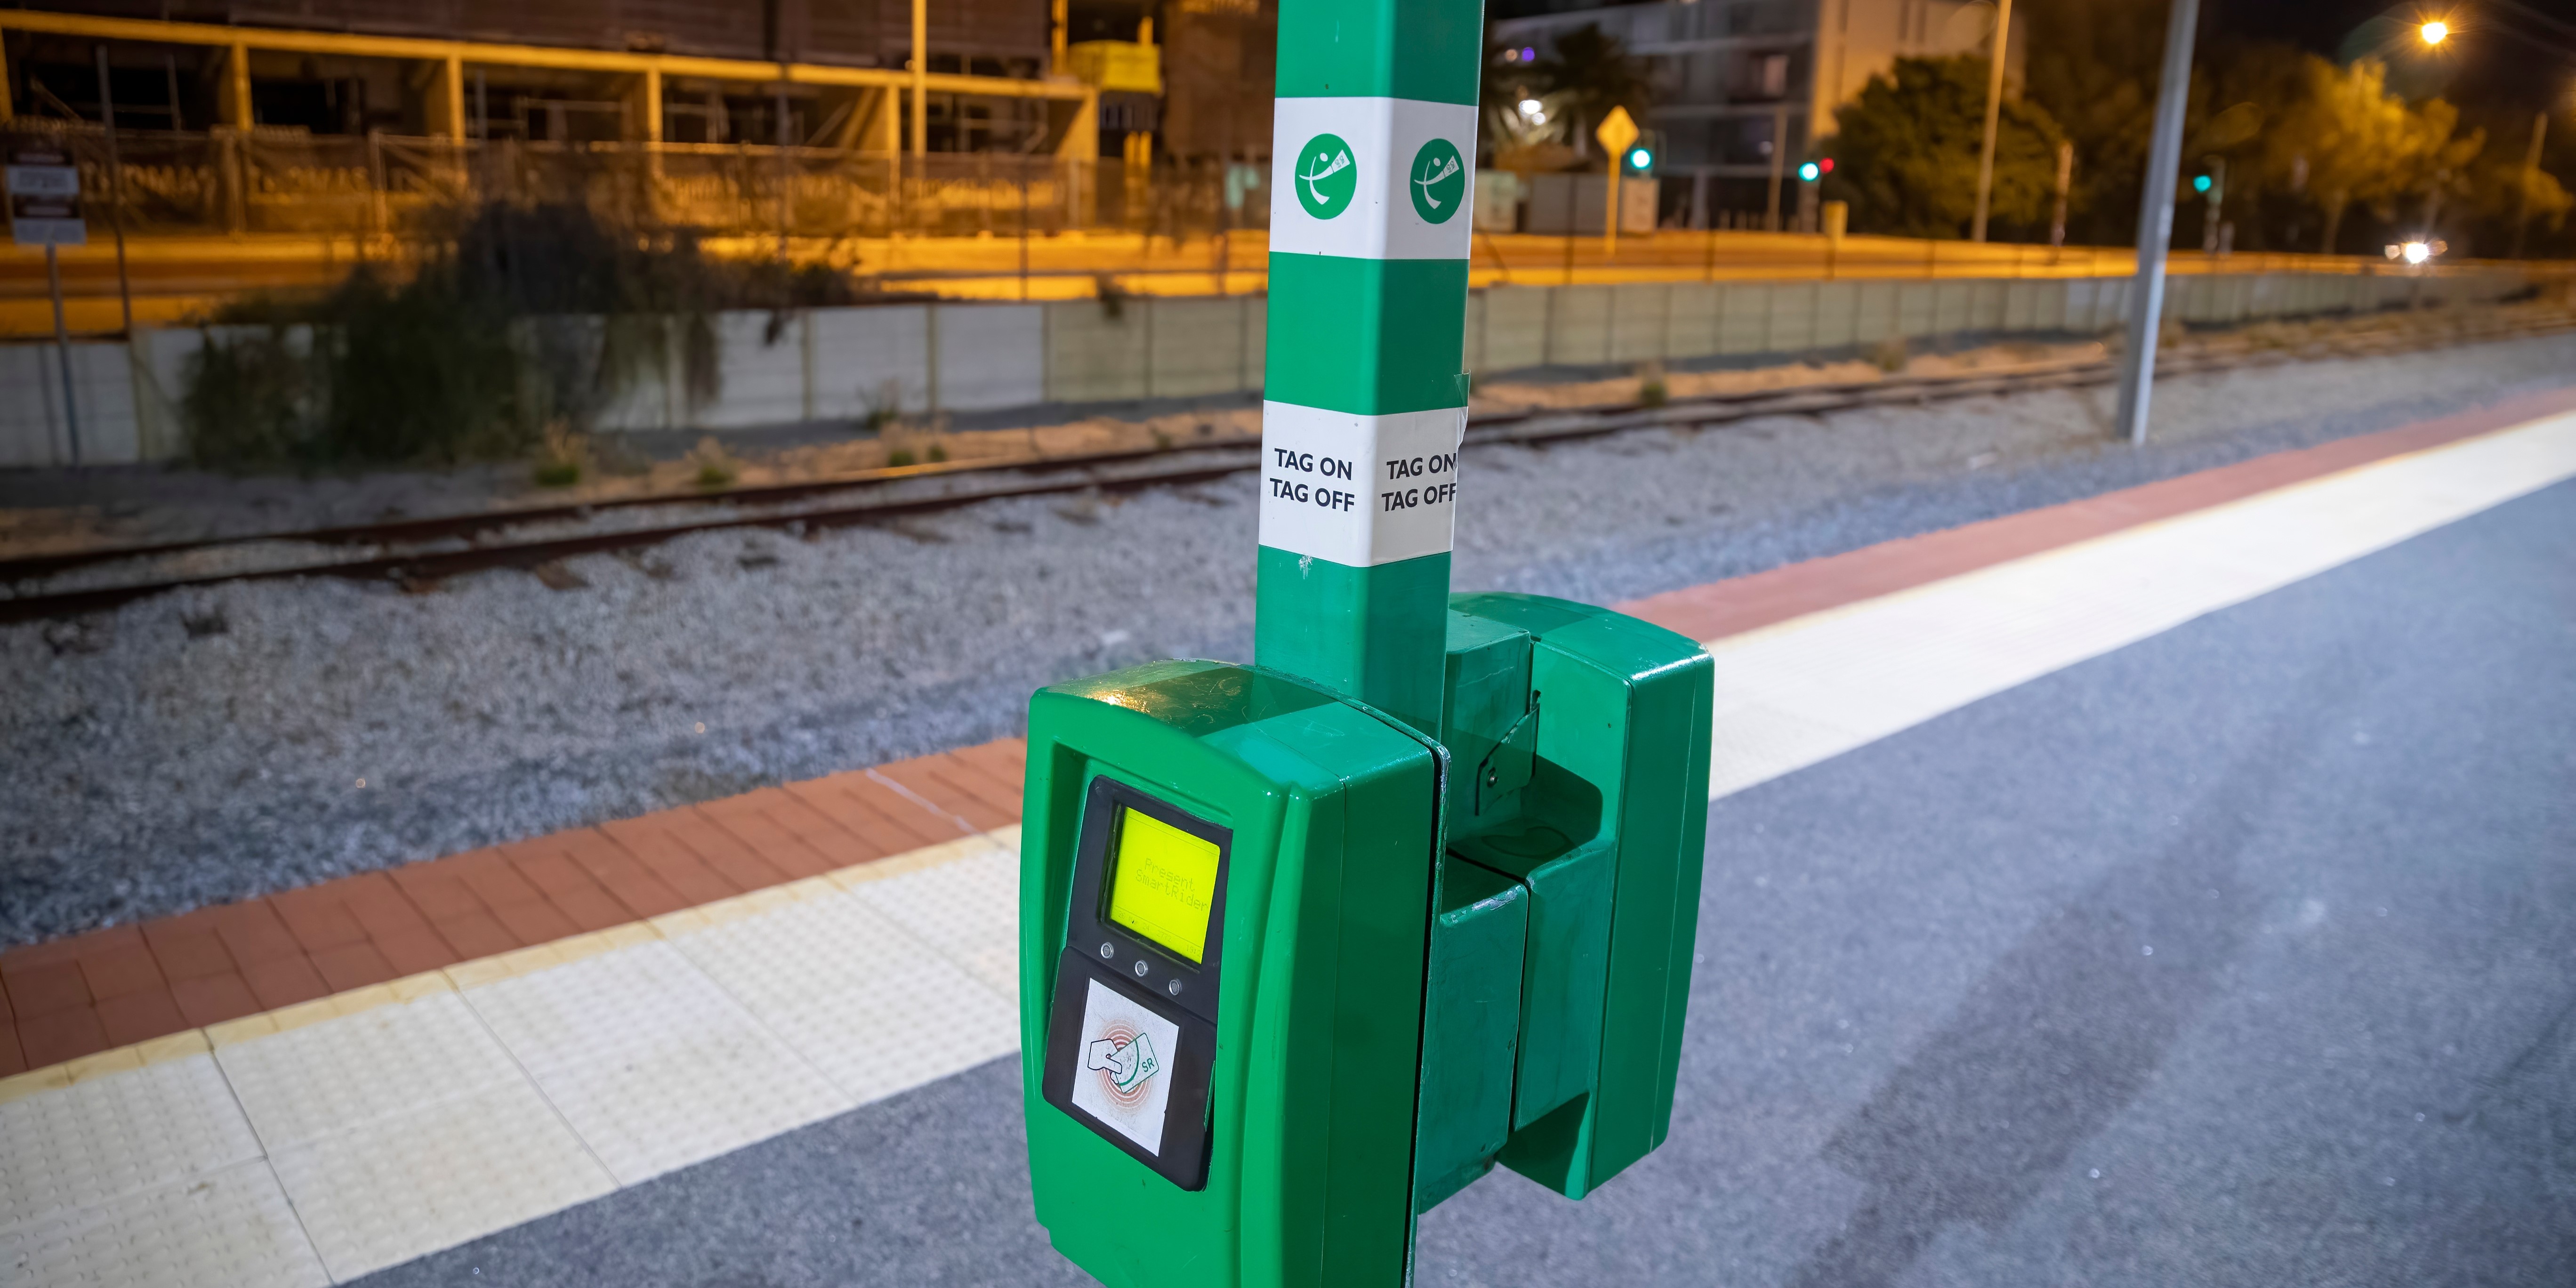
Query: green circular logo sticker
[[1326, 176], [1439, 181]]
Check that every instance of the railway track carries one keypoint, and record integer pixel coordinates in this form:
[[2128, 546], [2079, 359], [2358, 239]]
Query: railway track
[[417, 552]]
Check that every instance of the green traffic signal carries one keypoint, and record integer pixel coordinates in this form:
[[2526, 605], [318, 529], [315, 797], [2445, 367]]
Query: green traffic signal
[[1640, 159]]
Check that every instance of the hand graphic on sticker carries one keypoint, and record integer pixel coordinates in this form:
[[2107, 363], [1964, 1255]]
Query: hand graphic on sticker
[[1127, 1064]]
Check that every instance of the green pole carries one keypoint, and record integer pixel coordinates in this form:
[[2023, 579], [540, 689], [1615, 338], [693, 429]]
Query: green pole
[[1373, 159]]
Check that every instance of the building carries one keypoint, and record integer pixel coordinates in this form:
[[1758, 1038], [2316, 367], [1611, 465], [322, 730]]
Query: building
[[1743, 88], [1220, 69], [1189, 80], [806, 72]]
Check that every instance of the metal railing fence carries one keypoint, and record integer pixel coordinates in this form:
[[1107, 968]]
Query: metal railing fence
[[269, 181]]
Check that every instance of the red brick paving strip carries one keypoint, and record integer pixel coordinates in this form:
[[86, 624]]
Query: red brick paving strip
[[109, 988], [87, 993], [1720, 609]]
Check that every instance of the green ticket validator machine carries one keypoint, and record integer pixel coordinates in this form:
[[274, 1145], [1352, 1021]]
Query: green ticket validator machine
[[1308, 946]]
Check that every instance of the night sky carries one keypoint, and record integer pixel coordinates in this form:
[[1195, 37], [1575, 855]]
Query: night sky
[[2496, 57]]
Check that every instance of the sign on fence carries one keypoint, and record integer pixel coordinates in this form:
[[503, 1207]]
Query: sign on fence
[[44, 198]]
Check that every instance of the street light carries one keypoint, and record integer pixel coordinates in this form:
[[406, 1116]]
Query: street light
[[2434, 33]]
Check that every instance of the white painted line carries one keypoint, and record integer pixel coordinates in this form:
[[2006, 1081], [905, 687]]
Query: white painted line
[[366, 1130]]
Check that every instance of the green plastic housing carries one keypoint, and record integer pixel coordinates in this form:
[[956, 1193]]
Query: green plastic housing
[[1439, 954], [1334, 812], [1592, 798]]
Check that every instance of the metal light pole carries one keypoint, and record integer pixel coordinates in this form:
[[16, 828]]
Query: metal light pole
[[2215, 210], [920, 79], [2530, 175], [2065, 180], [1994, 115], [116, 195], [786, 172], [63, 350], [1610, 210], [1779, 158], [2155, 224]]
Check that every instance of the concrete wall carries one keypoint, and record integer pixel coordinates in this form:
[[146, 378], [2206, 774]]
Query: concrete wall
[[839, 364]]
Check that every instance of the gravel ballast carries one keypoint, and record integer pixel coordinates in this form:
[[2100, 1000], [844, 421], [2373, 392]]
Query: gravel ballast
[[216, 744]]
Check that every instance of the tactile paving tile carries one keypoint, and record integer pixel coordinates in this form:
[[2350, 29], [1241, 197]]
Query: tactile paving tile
[[102, 1139], [1870, 669], [967, 908], [652, 1064], [874, 1007], [230, 1226], [448, 1171], [1755, 743], [341, 1074]]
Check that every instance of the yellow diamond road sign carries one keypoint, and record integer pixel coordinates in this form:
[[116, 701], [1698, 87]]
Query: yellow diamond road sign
[[1617, 131]]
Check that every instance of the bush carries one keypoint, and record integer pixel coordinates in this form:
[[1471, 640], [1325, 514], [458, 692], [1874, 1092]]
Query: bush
[[563, 460], [885, 406], [423, 374], [716, 466], [541, 313], [1651, 391], [415, 373], [248, 401], [1890, 355]]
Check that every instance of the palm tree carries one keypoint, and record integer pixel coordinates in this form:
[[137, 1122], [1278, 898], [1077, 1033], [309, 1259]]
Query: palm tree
[[1592, 72]]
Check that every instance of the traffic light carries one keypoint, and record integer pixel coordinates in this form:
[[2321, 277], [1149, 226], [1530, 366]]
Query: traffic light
[[1810, 172], [1641, 160], [2200, 183]]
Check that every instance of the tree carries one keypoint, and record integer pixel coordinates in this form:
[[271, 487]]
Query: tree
[[1594, 73], [1583, 76], [2437, 157], [2094, 66], [2235, 112], [2499, 196], [1906, 149], [1527, 142], [2357, 137]]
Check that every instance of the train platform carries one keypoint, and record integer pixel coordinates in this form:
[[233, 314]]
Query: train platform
[[764, 1039]]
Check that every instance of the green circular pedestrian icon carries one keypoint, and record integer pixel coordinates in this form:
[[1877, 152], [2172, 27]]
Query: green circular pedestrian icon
[[1439, 181], [1326, 176]]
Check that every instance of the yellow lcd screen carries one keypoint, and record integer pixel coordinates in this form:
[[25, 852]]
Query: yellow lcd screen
[[1161, 882]]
